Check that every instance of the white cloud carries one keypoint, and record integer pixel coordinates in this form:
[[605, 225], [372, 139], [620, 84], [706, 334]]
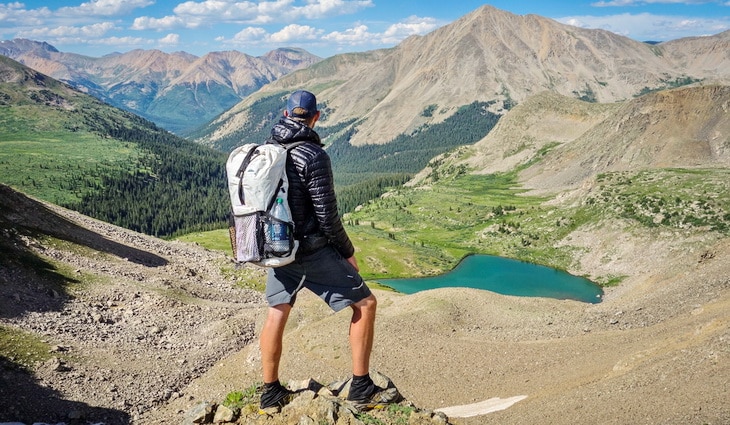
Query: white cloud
[[359, 35], [296, 33], [411, 26], [134, 42], [14, 14], [247, 35], [63, 32], [352, 36], [646, 26], [323, 8], [618, 3], [160, 24], [265, 12], [170, 40], [104, 8]]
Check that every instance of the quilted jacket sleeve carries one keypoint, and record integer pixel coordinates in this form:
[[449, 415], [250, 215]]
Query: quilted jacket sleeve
[[316, 171]]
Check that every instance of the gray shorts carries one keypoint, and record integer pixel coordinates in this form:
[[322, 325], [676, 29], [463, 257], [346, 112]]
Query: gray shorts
[[324, 272]]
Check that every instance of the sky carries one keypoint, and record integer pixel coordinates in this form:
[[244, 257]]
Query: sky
[[322, 27]]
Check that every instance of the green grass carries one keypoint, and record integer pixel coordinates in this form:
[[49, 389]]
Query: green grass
[[39, 156], [427, 230], [217, 240], [245, 401], [680, 199], [22, 348]]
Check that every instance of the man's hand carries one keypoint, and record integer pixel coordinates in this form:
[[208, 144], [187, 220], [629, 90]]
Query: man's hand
[[352, 260]]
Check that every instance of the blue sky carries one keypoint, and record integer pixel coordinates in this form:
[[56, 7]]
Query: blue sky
[[323, 27]]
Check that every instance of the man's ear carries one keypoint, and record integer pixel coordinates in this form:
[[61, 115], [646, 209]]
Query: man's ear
[[286, 113]]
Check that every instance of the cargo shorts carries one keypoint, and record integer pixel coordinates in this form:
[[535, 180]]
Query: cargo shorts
[[324, 272]]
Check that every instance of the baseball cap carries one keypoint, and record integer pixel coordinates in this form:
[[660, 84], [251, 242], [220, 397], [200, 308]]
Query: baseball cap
[[301, 104]]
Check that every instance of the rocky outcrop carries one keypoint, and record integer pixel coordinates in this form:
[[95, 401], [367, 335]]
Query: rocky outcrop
[[315, 403]]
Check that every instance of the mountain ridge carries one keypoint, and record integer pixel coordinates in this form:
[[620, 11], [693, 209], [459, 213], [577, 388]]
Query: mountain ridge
[[152, 83], [71, 148], [684, 127], [488, 55]]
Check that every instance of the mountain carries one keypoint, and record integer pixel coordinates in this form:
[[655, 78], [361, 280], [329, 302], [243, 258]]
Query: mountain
[[178, 91], [559, 142], [488, 56], [69, 148]]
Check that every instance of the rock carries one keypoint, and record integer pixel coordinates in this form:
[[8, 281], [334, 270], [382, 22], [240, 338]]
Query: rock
[[201, 413], [223, 414], [317, 404]]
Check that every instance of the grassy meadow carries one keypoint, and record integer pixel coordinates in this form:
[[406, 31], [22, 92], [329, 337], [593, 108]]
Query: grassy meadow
[[426, 230], [40, 157]]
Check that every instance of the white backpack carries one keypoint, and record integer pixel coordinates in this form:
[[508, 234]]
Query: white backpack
[[256, 179]]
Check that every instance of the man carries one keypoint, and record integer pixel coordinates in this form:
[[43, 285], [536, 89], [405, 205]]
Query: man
[[325, 262]]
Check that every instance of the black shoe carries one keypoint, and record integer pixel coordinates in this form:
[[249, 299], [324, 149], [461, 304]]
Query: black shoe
[[275, 395], [374, 398]]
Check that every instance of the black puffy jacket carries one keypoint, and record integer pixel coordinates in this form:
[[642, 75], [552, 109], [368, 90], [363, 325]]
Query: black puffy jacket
[[311, 191]]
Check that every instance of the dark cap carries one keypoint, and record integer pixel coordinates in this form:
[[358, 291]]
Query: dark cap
[[301, 104]]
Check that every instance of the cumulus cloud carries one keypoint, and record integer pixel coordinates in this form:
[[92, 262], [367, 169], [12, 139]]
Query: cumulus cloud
[[104, 8], [14, 14], [170, 40], [411, 26], [160, 24], [247, 35], [259, 13], [358, 35], [65, 32], [645, 26], [134, 42], [295, 32]]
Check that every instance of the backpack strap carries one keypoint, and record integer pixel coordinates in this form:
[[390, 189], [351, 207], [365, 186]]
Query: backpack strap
[[241, 170], [288, 148]]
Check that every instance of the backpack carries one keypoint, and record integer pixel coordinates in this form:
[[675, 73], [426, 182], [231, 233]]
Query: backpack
[[256, 181]]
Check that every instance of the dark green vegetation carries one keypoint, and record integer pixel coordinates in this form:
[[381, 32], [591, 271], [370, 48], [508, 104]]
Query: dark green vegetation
[[683, 199], [436, 226], [365, 172], [70, 149], [263, 114], [668, 84], [202, 103]]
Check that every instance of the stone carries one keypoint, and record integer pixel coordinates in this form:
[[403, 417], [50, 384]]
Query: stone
[[223, 414], [201, 413]]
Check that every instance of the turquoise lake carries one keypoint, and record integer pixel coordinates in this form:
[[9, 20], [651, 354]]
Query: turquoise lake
[[505, 276]]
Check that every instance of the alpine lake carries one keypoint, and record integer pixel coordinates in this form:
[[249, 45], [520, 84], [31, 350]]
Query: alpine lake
[[505, 276]]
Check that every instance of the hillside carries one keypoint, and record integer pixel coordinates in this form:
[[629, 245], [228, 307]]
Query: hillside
[[488, 56], [178, 91], [118, 327], [576, 141], [69, 148]]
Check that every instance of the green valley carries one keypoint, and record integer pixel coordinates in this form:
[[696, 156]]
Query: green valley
[[68, 148]]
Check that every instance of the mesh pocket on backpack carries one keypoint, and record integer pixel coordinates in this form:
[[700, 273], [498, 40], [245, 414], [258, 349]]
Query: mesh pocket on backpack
[[247, 230]]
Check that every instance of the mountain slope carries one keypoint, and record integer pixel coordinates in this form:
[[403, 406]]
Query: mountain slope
[[560, 142], [489, 56], [131, 327], [685, 128], [178, 91], [68, 147]]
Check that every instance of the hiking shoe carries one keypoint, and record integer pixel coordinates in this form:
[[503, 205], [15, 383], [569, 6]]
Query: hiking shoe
[[377, 398], [276, 396]]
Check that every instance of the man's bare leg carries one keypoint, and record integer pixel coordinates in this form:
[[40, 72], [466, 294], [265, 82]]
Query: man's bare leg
[[362, 331], [271, 342]]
